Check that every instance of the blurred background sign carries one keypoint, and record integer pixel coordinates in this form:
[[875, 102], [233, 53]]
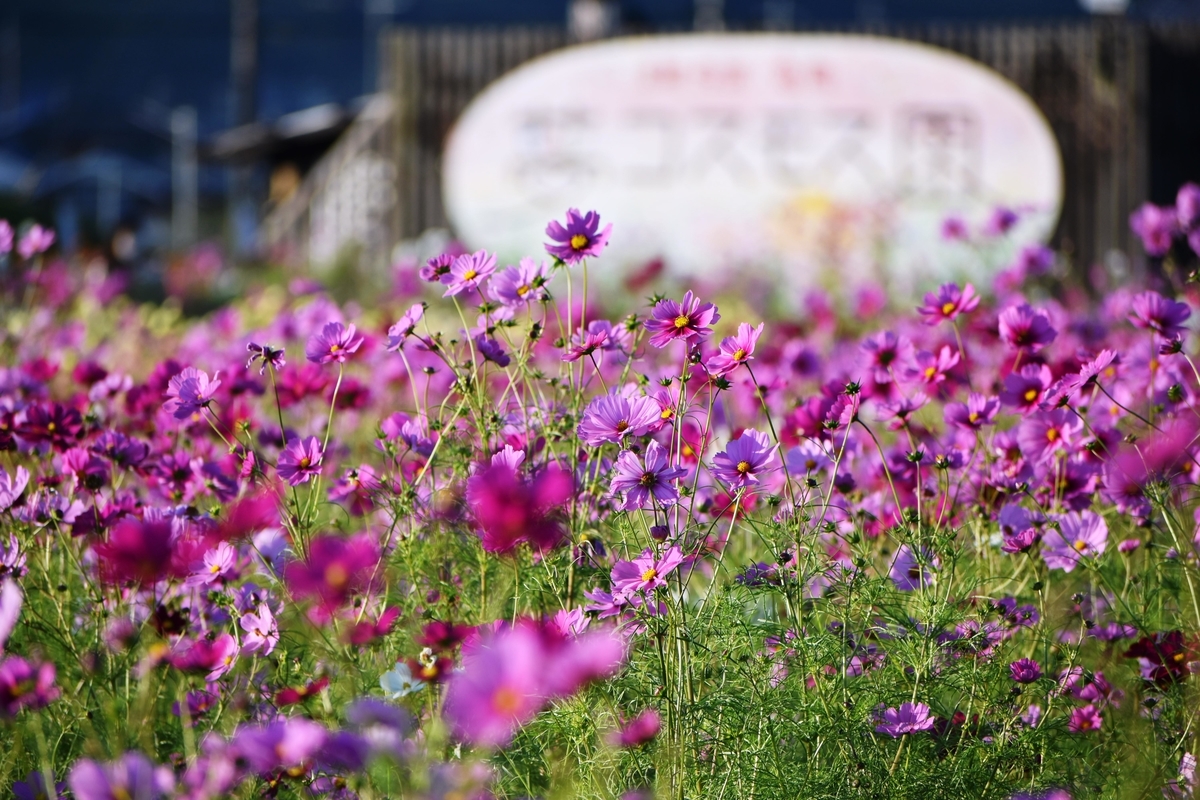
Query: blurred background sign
[[810, 155]]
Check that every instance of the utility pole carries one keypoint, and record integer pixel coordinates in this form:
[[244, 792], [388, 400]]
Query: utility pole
[[243, 70], [710, 15], [184, 183]]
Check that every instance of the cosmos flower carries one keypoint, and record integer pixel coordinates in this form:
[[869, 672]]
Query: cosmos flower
[[300, 461], [580, 238], [1085, 719], [25, 685], [611, 417], [645, 573], [637, 731], [520, 285], [399, 682], [746, 460], [189, 392], [1078, 536], [267, 356], [510, 511], [640, 480], [687, 320], [948, 303], [974, 414], [735, 350], [468, 272], [1152, 311], [1025, 670], [908, 718], [335, 570], [1026, 329], [404, 327], [333, 343], [131, 776], [1156, 226]]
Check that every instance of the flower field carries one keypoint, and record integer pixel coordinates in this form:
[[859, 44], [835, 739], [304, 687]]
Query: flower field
[[500, 533]]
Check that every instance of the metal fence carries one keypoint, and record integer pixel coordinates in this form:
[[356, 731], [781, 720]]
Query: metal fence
[[1092, 82]]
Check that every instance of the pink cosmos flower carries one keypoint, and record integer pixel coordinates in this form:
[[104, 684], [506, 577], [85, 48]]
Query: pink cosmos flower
[[189, 392], [746, 459], [12, 486], [735, 350], [645, 573], [334, 342], [336, 569], [1156, 226], [637, 731], [520, 285], [909, 718], [140, 551], [612, 417], [932, 369], [585, 343], [36, 240], [300, 461], [690, 319], [261, 631], [1024, 390], [641, 481], [266, 355], [510, 511], [404, 327], [1044, 435], [1085, 719], [6, 237], [1152, 311], [1078, 535], [948, 303], [25, 685], [1025, 328], [437, 269], [885, 353], [974, 414], [469, 272], [580, 238], [213, 657]]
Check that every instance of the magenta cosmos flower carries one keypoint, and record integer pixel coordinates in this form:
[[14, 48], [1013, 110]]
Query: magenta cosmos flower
[[23, 685], [1025, 670], [612, 417], [469, 272], [139, 551], [189, 392], [1025, 328], [509, 510], [638, 731], [908, 718], [1078, 535], [334, 342], [642, 480], [580, 238], [746, 459], [735, 350], [519, 285], [336, 569], [1152, 311], [1156, 226], [948, 303], [132, 775], [301, 460], [1085, 719], [687, 320], [645, 573], [404, 327], [972, 415]]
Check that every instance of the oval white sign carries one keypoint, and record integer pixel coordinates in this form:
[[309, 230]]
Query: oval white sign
[[823, 157]]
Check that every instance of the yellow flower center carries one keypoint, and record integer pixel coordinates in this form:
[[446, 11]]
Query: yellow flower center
[[930, 372], [333, 348], [1030, 394], [622, 426], [743, 467], [739, 355], [522, 290], [50, 426], [682, 321], [947, 307], [667, 413], [649, 575], [579, 241], [335, 576], [1052, 435], [305, 462], [1080, 545], [506, 701], [973, 416], [469, 275]]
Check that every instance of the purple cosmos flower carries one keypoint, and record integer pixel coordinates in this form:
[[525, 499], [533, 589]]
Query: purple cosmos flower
[[585, 343], [1025, 670], [36, 240], [635, 733], [336, 570], [1044, 435], [281, 744], [910, 573], [261, 630], [645, 573], [1001, 221], [1187, 206], [1152, 311], [1085, 719], [404, 328], [1078, 535], [735, 350], [34, 785], [132, 775], [469, 272], [6, 237], [1023, 390], [954, 229], [437, 269], [335, 342], [687, 320], [23, 685], [266, 354], [745, 459], [189, 392], [520, 285], [641, 481], [1027, 329], [12, 487], [581, 237], [885, 352], [972, 415], [909, 718], [1156, 226], [1020, 541], [948, 303], [932, 369], [301, 460], [612, 417], [491, 350]]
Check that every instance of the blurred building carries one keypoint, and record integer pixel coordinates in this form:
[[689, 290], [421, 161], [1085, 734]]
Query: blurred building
[[192, 119]]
